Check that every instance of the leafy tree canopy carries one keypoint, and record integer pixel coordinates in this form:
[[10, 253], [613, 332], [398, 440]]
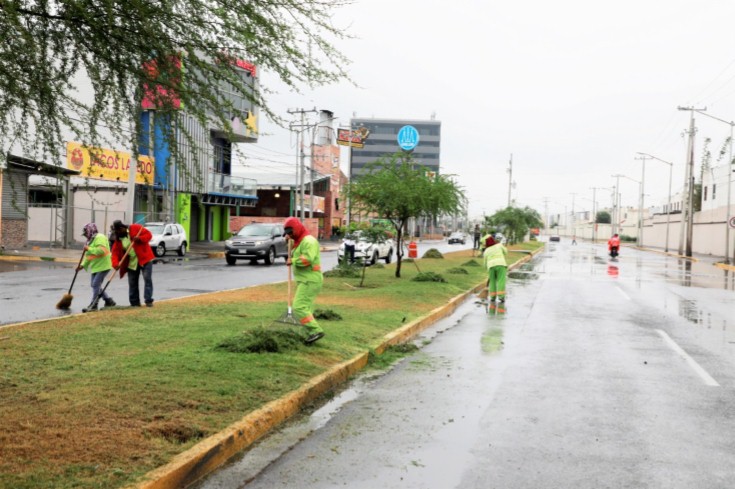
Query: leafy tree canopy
[[603, 217], [190, 47], [515, 222], [397, 188]]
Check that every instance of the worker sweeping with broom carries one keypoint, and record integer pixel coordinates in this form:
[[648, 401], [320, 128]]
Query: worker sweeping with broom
[[97, 261], [306, 261]]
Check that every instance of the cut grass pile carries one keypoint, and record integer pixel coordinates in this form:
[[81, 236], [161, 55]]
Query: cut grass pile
[[98, 400]]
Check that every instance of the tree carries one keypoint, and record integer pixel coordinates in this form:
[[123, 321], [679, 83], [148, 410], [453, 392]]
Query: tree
[[516, 222], [180, 52], [603, 217], [397, 188]]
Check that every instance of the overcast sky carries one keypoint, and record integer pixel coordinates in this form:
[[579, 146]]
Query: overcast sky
[[571, 88]]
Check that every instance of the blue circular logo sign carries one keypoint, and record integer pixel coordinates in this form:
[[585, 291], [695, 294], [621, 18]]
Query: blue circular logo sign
[[408, 138]]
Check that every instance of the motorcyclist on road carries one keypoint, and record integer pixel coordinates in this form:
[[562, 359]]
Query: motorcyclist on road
[[613, 245]]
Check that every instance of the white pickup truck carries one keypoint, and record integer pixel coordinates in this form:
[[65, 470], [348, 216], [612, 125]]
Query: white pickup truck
[[366, 250]]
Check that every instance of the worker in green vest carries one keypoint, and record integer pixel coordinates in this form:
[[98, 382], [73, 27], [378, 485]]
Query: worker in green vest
[[305, 258], [497, 268], [98, 262]]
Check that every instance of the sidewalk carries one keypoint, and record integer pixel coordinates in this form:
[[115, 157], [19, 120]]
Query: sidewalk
[[198, 250]]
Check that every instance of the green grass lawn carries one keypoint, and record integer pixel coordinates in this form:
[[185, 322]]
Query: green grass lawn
[[98, 400]]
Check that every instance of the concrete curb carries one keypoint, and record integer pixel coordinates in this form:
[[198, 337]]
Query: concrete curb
[[38, 258], [725, 267], [668, 253], [208, 455]]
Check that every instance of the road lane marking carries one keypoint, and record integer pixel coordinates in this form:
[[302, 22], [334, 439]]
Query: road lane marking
[[707, 378], [622, 293]]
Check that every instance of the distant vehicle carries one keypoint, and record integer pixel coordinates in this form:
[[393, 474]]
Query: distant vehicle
[[257, 241], [457, 238], [366, 250], [167, 237], [554, 237]]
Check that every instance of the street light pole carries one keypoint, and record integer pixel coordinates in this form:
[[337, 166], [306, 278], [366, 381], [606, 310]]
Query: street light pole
[[510, 178], [594, 210], [643, 158], [668, 203], [618, 187]]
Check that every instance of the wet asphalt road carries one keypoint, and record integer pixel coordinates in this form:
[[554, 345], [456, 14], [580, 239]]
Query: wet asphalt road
[[599, 374]]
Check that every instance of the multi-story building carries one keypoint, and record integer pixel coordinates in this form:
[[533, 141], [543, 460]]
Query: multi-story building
[[196, 189], [388, 136], [422, 139], [199, 191]]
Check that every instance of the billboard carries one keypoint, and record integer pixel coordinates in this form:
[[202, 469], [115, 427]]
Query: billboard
[[107, 164], [353, 137]]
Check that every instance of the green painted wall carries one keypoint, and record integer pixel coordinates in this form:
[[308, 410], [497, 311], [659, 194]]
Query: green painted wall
[[183, 213], [202, 231], [226, 223], [216, 213]]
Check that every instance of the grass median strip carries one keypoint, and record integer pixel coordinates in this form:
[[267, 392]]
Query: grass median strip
[[99, 400]]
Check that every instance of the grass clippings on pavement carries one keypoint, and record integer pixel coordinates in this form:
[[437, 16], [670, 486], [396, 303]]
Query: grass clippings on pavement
[[98, 400]]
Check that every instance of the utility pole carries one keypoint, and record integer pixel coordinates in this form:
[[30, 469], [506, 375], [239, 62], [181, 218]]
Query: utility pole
[[510, 178], [574, 217], [643, 158], [594, 214], [300, 177], [689, 184], [616, 204]]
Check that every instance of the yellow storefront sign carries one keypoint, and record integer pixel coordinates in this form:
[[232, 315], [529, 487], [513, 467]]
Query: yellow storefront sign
[[107, 164]]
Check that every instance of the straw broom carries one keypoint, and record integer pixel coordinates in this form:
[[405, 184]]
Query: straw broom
[[66, 299]]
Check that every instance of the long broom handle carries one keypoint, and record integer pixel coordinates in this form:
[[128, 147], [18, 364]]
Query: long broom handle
[[76, 270], [289, 275], [114, 271]]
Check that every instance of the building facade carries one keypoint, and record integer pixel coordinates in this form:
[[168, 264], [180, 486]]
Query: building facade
[[389, 136]]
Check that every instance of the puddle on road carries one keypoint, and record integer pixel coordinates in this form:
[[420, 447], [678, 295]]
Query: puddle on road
[[492, 339], [523, 275]]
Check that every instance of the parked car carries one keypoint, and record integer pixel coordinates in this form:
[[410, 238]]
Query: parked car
[[366, 250], [554, 237], [257, 241], [457, 238], [167, 237]]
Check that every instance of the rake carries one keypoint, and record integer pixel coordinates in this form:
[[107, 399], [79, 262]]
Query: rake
[[288, 317]]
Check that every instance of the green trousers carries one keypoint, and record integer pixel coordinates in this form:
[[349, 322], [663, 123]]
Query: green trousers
[[303, 305], [496, 282]]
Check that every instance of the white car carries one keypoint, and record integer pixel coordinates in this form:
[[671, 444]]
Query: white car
[[456, 238], [365, 250], [167, 237]]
